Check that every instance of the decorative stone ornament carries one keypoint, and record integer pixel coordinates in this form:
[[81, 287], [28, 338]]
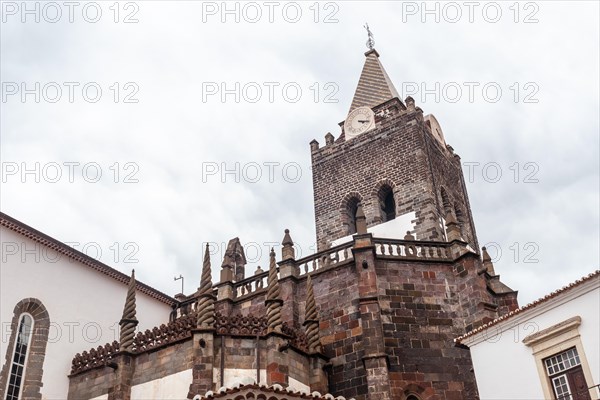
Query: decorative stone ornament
[[128, 322], [273, 301], [206, 299]]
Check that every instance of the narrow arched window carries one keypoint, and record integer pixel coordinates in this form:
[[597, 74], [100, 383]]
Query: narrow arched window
[[22, 371], [351, 210], [387, 203], [19, 358], [412, 397]]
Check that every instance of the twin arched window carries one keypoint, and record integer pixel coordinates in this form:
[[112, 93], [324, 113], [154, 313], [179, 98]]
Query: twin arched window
[[383, 197]]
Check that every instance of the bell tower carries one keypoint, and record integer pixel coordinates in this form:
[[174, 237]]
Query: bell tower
[[393, 160]]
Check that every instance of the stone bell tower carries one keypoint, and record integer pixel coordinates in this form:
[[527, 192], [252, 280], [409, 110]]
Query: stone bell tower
[[392, 159]]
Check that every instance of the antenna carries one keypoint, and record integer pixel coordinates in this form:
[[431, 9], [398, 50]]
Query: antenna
[[178, 278]]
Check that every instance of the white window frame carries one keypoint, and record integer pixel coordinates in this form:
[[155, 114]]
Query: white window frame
[[12, 358], [552, 341]]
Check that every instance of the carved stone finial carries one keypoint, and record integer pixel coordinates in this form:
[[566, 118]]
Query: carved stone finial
[[234, 262], [287, 252], [314, 145], [487, 262], [206, 300], [311, 320], [273, 301], [361, 220], [452, 227], [329, 139], [409, 236], [128, 322]]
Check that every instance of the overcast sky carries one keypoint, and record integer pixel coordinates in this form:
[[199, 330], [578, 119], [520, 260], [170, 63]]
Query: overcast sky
[[513, 85]]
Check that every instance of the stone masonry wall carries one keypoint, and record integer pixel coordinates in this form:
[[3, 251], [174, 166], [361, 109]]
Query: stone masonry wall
[[447, 173], [148, 366], [166, 361], [424, 306], [394, 153], [91, 384]]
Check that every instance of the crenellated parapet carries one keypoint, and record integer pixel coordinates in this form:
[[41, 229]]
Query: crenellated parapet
[[337, 310]]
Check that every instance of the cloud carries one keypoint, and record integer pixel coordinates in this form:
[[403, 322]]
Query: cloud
[[166, 140]]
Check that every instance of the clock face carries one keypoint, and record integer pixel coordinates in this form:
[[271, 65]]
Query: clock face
[[360, 120]]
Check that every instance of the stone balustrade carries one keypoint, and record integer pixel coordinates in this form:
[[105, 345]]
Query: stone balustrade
[[325, 258], [410, 249]]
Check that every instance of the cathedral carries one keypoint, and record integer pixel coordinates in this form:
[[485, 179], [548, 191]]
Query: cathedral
[[398, 275]]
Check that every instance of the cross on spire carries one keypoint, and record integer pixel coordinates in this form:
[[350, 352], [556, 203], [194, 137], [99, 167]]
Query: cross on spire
[[370, 41]]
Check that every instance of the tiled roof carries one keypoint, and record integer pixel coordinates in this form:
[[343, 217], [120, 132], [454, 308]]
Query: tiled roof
[[248, 391], [64, 249], [549, 296], [374, 86]]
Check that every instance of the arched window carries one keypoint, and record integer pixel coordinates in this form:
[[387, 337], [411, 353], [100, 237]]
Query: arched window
[[21, 374], [351, 209], [19, 358], [412, 397], [387, 204]]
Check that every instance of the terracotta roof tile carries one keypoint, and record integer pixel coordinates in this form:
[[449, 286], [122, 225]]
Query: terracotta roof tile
[[247, 391], [549, 296]]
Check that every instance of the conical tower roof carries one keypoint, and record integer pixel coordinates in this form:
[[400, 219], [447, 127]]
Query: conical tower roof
[[374, 86]]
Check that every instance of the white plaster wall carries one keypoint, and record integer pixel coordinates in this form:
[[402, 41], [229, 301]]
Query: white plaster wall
[[394, 229], [505, 367], [298, 386], [175, 386], [235, 376], [84, 306], [103, 397]]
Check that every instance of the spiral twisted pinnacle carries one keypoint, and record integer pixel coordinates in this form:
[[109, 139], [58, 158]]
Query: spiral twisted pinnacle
[[128, 321], [273, 302], [206, 301], [312, 328]]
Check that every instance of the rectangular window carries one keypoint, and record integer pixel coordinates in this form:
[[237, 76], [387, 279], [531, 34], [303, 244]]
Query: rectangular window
[[565, 373]]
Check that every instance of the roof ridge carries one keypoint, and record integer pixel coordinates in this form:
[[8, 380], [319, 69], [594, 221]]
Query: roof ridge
[[55, 244]]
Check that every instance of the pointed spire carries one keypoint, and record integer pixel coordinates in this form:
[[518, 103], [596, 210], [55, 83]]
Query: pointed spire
[[273, 301], [452, 227], [361, 220], [206, 300], [374, 86], [487, 262], [310, 319], [128, 321], [287, 252]]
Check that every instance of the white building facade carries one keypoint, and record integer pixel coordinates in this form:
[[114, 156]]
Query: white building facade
[[549, 349], [56, 301]]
